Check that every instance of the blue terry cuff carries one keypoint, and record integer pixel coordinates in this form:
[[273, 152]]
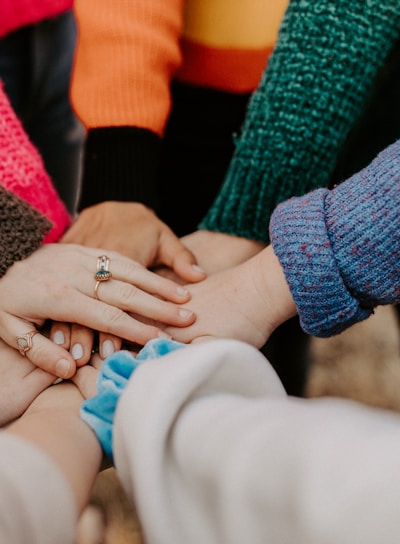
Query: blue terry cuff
[[99, 411]]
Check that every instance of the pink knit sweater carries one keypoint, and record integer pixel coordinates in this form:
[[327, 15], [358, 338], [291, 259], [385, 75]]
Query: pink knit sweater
[[22, 171], [17, 13]]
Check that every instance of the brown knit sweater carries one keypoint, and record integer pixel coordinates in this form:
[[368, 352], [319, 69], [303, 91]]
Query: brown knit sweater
[[22, 229]]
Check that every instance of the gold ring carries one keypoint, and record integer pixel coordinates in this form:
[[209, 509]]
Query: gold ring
[[24, 342], [95, 289]]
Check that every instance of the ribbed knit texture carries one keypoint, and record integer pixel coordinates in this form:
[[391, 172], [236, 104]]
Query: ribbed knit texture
[[22, 229], [340, 249], [17, 13], [127, 55], [318, 78], [120, 163], [22, 171]]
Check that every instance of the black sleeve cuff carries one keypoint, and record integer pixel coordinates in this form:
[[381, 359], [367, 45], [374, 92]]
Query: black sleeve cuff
[[120, 164]]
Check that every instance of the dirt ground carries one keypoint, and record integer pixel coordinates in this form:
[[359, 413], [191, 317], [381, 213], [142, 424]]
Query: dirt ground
[[362, 363]]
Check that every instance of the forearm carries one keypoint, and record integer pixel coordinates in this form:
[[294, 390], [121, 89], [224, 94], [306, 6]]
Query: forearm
[[226, 441], [53, 425], [126, 56], [304, 108], [340, 249], [208, 370]]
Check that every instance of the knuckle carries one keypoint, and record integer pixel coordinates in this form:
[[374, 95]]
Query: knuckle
[[112, 314], [127, 291], [130, 269]]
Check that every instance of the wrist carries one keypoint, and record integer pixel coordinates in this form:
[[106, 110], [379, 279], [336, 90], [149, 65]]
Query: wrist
[[272, 284]]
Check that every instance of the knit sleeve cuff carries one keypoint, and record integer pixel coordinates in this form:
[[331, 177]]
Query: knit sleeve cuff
[[120, 163], [22, 229], [300, 240]]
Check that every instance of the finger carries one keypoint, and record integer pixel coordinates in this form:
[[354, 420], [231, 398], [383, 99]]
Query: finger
[[108, 344], [93, 314], [81, 345], [121, 268], [129, 271], [16, 399], [181, 260], [20, 383], [85, 380], [40, 350], [111, 319], [132, 299], [60, 333], [85, 377]]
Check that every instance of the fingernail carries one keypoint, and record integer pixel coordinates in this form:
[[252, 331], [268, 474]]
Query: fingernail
[[77, 351], [63, 368], [185, 313], [182, 291], [58, 337], [162, 334], [107, 348], [198, 268]]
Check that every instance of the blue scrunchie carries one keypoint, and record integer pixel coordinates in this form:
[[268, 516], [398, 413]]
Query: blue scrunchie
[[98, 412]]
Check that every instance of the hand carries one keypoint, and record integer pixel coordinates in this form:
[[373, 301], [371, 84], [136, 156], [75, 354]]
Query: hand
[[246, 302], [57, 282], [85, 378], [134, 230], [216, 251], [20, 383]]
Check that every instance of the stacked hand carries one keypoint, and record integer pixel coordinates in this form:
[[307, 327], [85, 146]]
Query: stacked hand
[[57, 282]]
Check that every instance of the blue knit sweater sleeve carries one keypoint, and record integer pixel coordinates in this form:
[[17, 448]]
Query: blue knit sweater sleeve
[[340, 249]]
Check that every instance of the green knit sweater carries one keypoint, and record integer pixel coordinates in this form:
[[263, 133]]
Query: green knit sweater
[[319, 77]]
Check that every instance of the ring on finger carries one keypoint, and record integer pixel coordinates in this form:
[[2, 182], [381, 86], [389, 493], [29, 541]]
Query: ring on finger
[[24, 342], [103, 273]]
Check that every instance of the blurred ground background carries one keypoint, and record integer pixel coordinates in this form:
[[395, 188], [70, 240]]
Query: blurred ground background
[[362, 363]]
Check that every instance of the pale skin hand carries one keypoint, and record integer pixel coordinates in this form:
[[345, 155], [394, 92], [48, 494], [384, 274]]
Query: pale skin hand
[[20, 383], [246, 302], [216, 251], [134, 230], [57, 282]]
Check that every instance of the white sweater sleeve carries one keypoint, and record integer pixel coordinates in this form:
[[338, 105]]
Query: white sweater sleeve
[[211, 450], [36, 503]]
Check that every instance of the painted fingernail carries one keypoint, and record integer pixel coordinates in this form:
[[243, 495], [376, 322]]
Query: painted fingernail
[[107, 348], [58, 337], [185, 313], [63, 368], [77, 351]]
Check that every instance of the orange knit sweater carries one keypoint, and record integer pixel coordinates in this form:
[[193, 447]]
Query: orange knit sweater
[[128, 53]]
